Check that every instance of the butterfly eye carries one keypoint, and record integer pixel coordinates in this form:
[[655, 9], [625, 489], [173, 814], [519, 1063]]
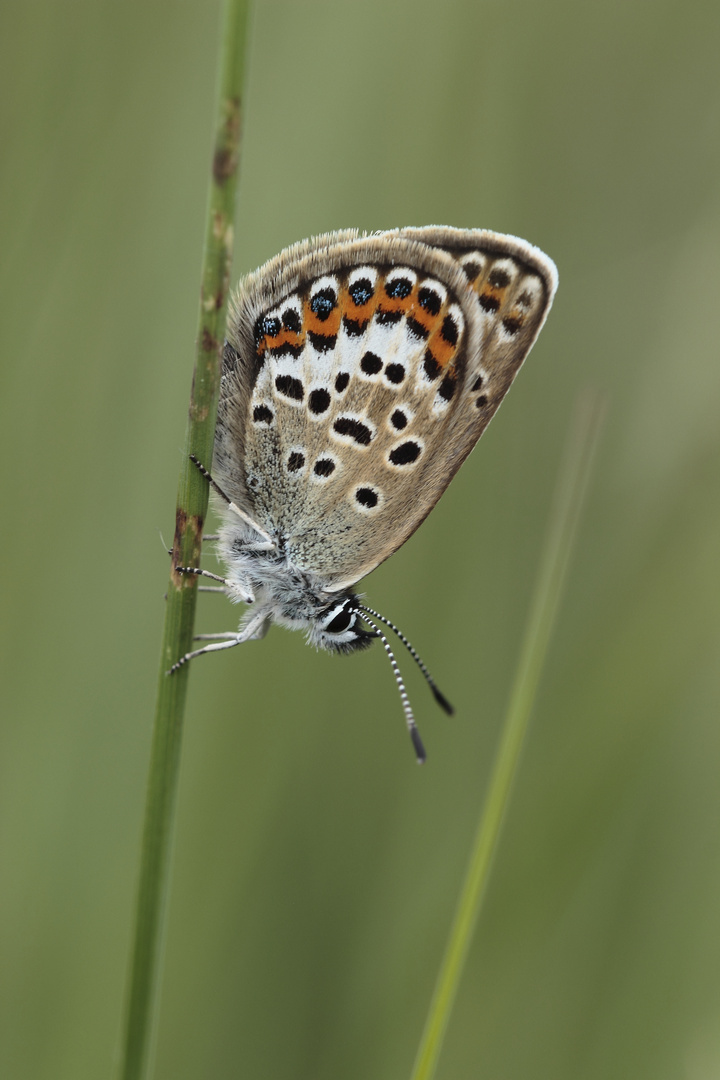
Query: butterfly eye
[[341, 622]]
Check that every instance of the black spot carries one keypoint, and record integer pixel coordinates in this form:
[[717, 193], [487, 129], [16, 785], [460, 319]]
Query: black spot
[[324, 467], [341, 381], [266, 327], [366, 497], [319, 401], [447, 388], [405, 453], [512, 324], [481, 401], [499, 278], [416, 328], [295, 461], [395, 373], [525, 300], [387, 318], [371, 363], [287, 349], [398, 419], [472, 269], [291, 320], [398, 288], [361, 291], [292, 388], [488, 303], [252, 482], [354, 327], [431, 366], [347, 425], [449, 330], [477, 384], [324, 303], [342, 621], [322, 342], [429, 300], [262, 415]]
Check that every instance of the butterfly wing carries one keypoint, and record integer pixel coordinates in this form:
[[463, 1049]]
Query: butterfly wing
[[359, 374]]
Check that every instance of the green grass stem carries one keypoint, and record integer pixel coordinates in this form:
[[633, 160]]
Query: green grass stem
[[572, 483], [192, 502]]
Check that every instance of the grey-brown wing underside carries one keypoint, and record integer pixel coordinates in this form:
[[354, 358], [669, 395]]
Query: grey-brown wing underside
[[359, 374]]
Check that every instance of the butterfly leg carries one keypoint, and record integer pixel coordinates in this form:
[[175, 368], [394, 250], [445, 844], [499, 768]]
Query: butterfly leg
[[231, 505], [202, 573], [227, 635], [247, 595], [256, 628]]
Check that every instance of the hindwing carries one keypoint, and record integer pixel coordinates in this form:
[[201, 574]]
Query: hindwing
[[359, 373]]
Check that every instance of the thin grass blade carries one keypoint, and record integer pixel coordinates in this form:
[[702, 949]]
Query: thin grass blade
[[572, 484], [151, 903]]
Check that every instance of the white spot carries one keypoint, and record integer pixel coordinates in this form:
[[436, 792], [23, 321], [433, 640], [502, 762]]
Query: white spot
[[531, 291], [350, 348], [361, 272], [455, 312], [400, 272], [474, 258], [327, 282], [393, 343], [436, 287], [294, 304], [507, 266], [320, 365]]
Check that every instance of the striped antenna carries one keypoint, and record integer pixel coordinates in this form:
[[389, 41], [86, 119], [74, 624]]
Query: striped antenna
[[438, 695], [409, 718]]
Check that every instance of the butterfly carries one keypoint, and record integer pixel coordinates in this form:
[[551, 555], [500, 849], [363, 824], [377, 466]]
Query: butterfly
[[359, 371]]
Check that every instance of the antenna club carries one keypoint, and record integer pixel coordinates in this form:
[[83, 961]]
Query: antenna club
[[443, 701], [419, 748], [437, 694]]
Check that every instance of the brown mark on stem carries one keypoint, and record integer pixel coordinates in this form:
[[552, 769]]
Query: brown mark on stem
[[209, 343], [225, 158], [186, 523], [198, 410], [224, 164]]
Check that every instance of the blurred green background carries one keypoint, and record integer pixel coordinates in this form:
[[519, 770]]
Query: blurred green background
[[316, 867]]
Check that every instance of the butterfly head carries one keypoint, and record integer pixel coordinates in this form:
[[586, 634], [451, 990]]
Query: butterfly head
[[339, 627]]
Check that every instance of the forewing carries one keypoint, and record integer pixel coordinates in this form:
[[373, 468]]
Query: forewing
[[360, 374]]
